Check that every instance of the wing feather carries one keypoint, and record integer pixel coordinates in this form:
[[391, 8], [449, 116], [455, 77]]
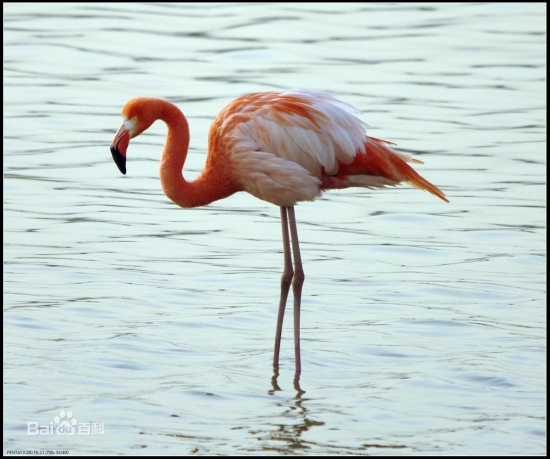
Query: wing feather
[[312, 129], [284, 146]]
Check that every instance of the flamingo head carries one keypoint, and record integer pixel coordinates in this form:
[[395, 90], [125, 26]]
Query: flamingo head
[[136, 118]]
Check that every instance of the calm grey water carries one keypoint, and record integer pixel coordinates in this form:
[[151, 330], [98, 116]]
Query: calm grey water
[[424, 323]]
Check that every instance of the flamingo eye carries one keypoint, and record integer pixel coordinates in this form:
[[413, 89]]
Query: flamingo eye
[[134, 118]]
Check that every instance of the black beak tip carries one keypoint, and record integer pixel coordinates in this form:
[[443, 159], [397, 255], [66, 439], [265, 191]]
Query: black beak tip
[[120, 160]]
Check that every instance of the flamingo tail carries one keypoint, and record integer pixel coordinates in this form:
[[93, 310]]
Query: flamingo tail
[[389, 166]]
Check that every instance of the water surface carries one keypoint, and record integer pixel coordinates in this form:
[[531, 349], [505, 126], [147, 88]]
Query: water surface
[[423, 323]]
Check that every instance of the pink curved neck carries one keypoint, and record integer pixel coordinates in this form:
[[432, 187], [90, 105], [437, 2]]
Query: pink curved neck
[[211, 185]]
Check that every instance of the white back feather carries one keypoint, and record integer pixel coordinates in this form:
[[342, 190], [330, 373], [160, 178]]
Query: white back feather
[[332, 134], [280, 155]]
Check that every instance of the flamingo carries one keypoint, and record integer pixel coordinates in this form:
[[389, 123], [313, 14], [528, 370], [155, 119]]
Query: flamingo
[[282, 147]]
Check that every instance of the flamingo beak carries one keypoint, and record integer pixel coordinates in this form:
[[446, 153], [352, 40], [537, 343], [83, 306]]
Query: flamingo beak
[[119, 147]]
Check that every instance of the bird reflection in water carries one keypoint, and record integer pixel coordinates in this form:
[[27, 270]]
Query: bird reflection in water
[[291, 433]]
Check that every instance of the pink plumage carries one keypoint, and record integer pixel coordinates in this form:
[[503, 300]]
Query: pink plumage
[[283, 147]]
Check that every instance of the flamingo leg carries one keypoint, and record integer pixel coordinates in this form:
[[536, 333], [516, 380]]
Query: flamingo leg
[[286, 280], [297, 283], [294, 277]]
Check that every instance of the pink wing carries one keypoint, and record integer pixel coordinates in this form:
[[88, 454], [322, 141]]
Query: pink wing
[[284, 145]]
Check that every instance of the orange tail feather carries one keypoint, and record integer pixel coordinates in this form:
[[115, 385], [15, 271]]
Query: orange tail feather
[[382, 161]]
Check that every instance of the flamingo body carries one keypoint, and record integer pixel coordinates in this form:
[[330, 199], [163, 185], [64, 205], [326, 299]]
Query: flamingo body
[[281, 147]]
